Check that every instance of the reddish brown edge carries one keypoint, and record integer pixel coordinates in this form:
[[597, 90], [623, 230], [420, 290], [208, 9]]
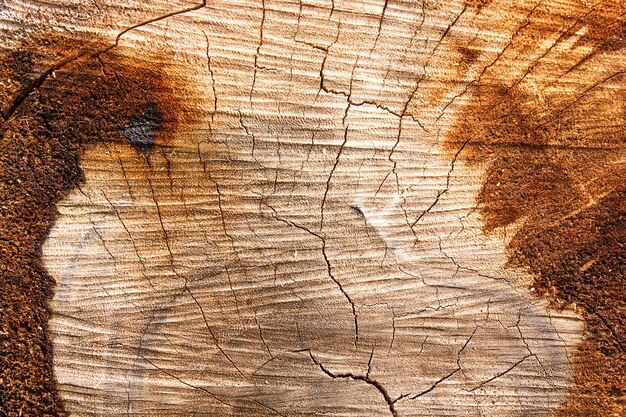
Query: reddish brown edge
[[555, 174], [60, 95]]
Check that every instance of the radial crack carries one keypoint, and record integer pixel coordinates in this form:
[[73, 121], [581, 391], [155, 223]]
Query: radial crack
[[328, 266], [377, 385]]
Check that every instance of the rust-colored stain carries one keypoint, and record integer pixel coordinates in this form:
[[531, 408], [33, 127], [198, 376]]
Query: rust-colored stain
[[60, 95], [553, 143]]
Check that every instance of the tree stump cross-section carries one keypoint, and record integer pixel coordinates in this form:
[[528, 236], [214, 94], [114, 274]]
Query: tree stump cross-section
[[365, 208]]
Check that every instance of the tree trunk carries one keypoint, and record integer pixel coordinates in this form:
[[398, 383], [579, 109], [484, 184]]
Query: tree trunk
[[407, 208]]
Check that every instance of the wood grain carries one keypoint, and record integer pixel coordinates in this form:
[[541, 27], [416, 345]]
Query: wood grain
[[311, 240]]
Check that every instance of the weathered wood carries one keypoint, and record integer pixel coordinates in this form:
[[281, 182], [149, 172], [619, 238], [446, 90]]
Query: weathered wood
[[314, 230]]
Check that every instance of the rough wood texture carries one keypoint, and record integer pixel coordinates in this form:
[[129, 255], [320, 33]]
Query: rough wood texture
[[346, 210]]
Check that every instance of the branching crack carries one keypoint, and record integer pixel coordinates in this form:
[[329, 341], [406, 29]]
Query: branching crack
[[328, 266], [171, 375], [442, 192], [212, 333], [332, 171], [258, 49], [222, 217], [249, 134], [165, 234], [95, 229], [515, 365], [269, 352], [210, 69], [37, 82], [451, 373], [380, 25], [363, 378], [132, 240]]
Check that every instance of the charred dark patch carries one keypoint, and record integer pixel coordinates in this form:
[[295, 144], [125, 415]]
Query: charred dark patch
[[59, 97], [555, 156], [143, 128]]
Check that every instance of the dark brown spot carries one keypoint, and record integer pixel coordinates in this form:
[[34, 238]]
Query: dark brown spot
[[467, 59], [144, 127], [59, 96]]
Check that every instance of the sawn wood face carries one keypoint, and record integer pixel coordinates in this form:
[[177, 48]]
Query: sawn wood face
[[344, 208]]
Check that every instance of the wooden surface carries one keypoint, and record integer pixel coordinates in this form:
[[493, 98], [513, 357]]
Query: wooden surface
[[310, 241]]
